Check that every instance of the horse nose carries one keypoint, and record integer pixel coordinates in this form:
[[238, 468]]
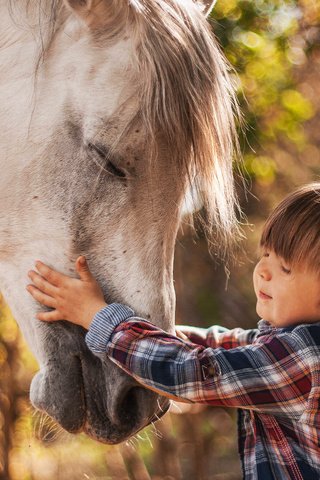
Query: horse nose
[[137, 406]]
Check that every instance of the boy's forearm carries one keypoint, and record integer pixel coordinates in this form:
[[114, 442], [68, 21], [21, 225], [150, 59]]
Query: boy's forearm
[[155, 358], [217, 336], [109, 318], [178, 369]]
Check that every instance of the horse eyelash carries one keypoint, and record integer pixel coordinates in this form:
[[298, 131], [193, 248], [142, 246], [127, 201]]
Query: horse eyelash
[[104, 154]]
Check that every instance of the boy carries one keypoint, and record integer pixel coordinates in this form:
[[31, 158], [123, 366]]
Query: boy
[[272, 373]]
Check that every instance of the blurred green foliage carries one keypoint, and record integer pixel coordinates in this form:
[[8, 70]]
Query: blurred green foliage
[[268, 43]]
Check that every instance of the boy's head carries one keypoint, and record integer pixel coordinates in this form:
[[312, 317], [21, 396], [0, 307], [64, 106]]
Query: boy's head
[[292, 230], [287, 278]]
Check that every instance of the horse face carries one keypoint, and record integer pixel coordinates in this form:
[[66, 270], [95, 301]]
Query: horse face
[[81, 182], [113, 206], [79, 177], [120, 208]]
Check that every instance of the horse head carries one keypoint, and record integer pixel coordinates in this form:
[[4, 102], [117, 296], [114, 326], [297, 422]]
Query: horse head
[[109, 109]]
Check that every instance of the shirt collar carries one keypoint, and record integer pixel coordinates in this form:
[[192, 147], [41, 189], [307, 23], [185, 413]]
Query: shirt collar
[[265, 327]]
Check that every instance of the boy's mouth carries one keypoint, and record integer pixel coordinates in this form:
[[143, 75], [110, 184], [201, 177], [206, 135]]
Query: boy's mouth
[[264, 296]]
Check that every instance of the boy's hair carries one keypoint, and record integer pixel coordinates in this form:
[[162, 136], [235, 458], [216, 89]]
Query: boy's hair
[[292, 230]]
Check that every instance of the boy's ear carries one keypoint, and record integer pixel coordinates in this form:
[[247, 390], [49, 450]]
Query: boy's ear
[[207, 6]]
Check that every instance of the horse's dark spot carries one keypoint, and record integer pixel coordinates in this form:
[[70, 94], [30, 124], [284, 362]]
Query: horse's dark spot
[[124, 251], [73, 129], [137, 131], [148, 316], [36, 196]]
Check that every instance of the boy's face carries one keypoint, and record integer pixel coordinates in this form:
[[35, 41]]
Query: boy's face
[[285, 295]]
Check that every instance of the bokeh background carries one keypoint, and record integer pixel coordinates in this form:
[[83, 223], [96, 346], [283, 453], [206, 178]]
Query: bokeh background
[[274, 48]]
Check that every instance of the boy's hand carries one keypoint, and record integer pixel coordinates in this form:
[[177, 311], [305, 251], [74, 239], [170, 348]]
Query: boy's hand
[[181, 335], [72, 299]]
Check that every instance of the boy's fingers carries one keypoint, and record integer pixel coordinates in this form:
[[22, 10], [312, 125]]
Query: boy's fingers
[[53, 277], [42, 284], [181, 335], [41, 297], [83, 269], [52, 316]]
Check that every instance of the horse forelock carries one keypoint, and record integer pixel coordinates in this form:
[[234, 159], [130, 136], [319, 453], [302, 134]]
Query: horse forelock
[[186, 95]]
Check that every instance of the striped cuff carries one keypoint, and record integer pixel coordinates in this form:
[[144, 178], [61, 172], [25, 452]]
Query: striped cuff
[[103, 325]]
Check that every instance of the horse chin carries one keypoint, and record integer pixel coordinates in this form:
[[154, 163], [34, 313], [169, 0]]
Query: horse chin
[[136, 409], [111, 434]]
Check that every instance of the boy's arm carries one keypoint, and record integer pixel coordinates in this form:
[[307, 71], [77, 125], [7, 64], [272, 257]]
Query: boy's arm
[[269, 377], [217, 336]]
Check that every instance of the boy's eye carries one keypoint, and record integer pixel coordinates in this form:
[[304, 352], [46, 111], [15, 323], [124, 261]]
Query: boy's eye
[[285, 269]]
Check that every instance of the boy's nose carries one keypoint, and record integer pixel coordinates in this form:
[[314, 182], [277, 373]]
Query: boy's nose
[[266, 275], [263, 271]]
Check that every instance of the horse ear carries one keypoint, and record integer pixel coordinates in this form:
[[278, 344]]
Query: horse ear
[[91, 12], [206, 6]]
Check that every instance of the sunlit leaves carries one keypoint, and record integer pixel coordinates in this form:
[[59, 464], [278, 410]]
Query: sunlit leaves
[[262, 168], [296, 104], [264, 43]]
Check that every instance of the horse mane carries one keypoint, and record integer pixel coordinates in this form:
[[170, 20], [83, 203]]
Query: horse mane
[[186, 96], [187, 93]]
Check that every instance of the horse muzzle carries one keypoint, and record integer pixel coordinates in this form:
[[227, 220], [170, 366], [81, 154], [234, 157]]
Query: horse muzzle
[[83, 393]]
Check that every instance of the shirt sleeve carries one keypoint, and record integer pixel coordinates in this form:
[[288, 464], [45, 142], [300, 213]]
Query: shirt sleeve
[[217, 336], [269, 377]]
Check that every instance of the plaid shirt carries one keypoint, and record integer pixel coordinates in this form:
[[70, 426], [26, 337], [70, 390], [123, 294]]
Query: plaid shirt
[[271, 374]]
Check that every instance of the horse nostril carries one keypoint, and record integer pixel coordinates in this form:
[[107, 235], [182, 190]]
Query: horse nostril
[[135, 407], [128, 406]]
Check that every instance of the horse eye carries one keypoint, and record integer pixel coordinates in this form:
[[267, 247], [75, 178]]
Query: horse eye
[[104, 154]]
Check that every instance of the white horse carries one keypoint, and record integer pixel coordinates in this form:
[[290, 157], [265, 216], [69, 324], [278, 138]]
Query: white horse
[[109, 109]]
